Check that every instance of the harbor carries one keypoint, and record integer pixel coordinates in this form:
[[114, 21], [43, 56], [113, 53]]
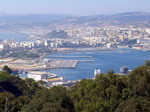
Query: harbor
[[43, 63], [37, 69], [104, 60], [80, 68]]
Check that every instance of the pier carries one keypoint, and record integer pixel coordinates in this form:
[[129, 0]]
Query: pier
[[31, 65], [86, 61], [68, 56], [63, 63]]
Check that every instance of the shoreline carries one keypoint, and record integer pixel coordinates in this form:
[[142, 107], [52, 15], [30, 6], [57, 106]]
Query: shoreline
[[80, 51]]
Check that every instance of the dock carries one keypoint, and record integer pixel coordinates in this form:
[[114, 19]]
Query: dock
[[63, 63], [86, 61], [68, 56], [32, 65]]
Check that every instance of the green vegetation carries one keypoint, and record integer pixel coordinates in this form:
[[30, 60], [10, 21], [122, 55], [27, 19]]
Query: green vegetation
[[54, 99], [7, 69], [24, 55], [111, 92], [106, 93], [147, 63], [57, 34], [44, 50], [15, 93]]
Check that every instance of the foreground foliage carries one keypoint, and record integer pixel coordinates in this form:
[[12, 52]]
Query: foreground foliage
[[24, 54], [107, 93]]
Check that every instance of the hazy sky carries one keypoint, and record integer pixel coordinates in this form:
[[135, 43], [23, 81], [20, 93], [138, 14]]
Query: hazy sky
[[74, 7]]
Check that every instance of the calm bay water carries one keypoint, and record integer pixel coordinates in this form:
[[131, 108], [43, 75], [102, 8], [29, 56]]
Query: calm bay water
[[104, 60]]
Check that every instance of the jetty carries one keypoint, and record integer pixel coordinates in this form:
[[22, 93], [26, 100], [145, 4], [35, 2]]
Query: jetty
[[63, 63], [32, 65], [86, 61], [68, 56]]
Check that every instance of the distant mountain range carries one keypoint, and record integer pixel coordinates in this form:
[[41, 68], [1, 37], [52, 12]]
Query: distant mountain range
[[128, 18], [133, 18]]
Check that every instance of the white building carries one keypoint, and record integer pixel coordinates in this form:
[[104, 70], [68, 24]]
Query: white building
[[143, 41], [97, 72], [37, 76], [1, 46], [46, 43], [109, 45]]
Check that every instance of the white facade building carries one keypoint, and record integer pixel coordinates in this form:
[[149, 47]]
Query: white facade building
[[37, 76], [1, 46], [143, 41], [97, 72]]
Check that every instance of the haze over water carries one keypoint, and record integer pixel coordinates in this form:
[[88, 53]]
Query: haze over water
[[14, 36]]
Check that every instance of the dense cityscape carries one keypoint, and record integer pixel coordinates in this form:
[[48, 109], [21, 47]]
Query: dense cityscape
[[64, 56], [26, 57], [138, 38]]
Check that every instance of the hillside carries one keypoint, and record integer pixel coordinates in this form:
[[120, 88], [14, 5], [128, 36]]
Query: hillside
[[45, 20], [107, 93], [57, 34]]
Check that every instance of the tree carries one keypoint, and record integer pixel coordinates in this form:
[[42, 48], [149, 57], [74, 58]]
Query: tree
[[106, 93], [134, 105], [32, 84], [7, 69], [41, 83], [147, 63], [50, 107], [110, 71], [6, 102], [44, 100], [139, 81], [14, 85]]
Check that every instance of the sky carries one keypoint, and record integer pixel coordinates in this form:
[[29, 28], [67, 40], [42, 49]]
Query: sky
[[73, 7]]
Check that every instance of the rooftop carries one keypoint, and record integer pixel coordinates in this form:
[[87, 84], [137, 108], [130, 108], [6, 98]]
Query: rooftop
[[54, 79]]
